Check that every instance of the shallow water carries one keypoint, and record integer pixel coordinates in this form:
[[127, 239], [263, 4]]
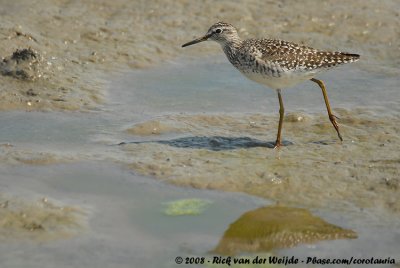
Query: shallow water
[[316, 171], [126, 224], [213, 85], [142, 235], [74, 159]]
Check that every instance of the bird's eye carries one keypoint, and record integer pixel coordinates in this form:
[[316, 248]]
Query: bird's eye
[[218, 30]]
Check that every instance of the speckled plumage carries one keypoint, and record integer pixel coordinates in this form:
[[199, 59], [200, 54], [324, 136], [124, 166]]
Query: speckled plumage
[[277, 64], [290, 56]]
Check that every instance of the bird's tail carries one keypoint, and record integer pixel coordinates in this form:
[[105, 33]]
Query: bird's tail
[[348, 57], [332, 59]]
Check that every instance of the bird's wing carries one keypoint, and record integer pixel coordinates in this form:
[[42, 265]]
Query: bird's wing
[[290, 55]]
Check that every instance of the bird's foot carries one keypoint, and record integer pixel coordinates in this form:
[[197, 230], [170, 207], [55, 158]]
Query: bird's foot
[[332, 118], [278, 144]]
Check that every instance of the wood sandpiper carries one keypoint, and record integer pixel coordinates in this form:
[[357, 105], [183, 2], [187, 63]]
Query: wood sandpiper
[[277, 64]]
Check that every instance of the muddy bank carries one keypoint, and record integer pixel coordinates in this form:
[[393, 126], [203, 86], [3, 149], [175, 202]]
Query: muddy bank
[[14, 155], [78, 43], [233, 153]]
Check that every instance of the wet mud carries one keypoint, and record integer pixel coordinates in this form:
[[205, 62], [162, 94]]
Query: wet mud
[[235, 154], [61, 55], [40, 220], [80, 43]]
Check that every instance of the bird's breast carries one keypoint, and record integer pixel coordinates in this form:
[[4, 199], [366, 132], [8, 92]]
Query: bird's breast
[[275, 79]]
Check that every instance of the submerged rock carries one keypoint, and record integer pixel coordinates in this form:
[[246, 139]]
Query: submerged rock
[[275, 227]]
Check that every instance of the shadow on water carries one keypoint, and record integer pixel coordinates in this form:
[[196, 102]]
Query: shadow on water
[[215, 143]]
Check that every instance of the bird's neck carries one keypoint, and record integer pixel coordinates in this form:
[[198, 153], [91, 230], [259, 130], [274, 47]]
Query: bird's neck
[[231, 48]]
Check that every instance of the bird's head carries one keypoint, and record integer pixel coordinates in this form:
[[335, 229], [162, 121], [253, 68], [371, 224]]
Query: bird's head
[[220, 32]]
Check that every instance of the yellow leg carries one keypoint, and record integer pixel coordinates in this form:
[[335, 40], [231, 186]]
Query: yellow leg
[[332, 117], [281, 113]]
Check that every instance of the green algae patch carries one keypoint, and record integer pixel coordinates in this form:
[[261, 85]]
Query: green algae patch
[[268, 228], [40, 220], [193, 206]]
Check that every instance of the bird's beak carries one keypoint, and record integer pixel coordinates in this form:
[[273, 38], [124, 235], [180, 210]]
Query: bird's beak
[[198, 40]]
